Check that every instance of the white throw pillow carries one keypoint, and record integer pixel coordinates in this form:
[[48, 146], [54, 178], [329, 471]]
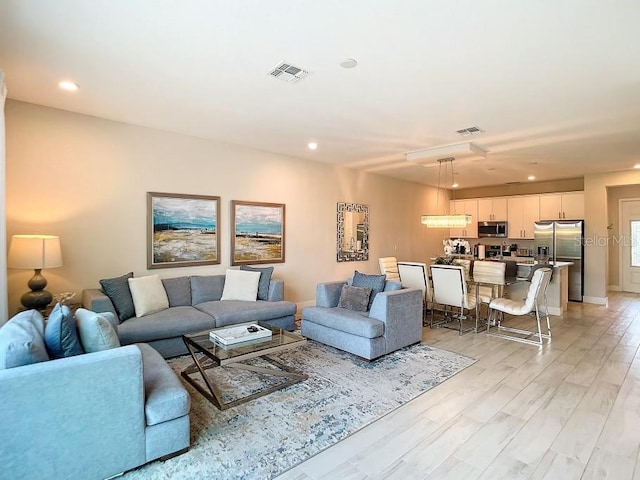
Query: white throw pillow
[[149, 295], [96, 332], [241, 285]]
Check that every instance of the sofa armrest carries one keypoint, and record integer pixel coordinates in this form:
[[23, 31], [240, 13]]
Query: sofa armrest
[[55, 413], [328, 294], [276, 291], [401, 312], [95, 300]]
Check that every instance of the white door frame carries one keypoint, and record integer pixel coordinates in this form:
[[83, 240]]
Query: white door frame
[[622, 249]]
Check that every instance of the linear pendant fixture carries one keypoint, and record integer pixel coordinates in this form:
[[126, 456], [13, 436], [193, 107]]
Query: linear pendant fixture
[[445, 221]]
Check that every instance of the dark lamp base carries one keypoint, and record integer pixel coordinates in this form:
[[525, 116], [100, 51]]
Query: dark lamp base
[[38, 300]]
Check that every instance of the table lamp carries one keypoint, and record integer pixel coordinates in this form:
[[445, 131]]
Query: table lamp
[[37, 252]]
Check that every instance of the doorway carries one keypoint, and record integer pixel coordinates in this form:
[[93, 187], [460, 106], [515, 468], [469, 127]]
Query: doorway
[[629, 245]]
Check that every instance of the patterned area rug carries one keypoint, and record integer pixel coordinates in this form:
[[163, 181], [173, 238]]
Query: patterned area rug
[[265, 437]]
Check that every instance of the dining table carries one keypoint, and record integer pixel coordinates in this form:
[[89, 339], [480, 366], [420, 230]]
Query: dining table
[[496, 284]]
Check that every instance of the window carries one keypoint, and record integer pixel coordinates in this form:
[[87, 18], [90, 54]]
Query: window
[[635, 243]]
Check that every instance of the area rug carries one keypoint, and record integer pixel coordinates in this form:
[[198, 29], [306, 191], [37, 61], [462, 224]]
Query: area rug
[[267, 436]]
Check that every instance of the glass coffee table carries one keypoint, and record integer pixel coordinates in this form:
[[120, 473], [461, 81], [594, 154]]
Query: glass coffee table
[[208, 354]]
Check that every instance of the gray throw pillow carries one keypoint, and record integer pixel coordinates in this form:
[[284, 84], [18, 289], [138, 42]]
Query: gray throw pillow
[[61, 334], [354, 298], [374, 282], [178, 291], [117, 289], [265, 279]]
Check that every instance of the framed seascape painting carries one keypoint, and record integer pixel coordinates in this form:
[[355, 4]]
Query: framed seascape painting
[[257, 234], [182, 230]]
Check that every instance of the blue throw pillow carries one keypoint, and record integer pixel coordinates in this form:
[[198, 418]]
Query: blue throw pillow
[[265, 279], [21, 340], [374, 282], [61, 334], [117, 289]]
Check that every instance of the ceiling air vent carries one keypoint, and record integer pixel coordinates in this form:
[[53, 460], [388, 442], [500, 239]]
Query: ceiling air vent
[[288, 73], [465, 132]]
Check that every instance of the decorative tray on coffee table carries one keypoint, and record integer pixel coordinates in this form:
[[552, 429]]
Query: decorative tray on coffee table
[[239, 334]]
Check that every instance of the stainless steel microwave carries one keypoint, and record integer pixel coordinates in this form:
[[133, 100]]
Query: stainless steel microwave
[[492, 229]]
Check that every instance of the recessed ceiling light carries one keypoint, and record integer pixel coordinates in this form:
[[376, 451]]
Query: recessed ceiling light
[[637, 165], [312, 145], [455, 185], [68, 85], [348, 63], [531, 177]]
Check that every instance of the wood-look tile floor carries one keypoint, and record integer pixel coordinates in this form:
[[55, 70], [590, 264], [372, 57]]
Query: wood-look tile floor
[[568, 410]]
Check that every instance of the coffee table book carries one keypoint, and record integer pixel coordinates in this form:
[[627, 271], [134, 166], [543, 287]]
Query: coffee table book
[[239, 334]]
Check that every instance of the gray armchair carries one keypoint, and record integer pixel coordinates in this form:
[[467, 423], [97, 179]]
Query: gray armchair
[[393, 322]]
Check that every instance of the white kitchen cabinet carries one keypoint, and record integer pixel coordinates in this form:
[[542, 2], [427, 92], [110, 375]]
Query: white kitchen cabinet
[[523, 212], [492, 209], [469, 207], [562, 206]]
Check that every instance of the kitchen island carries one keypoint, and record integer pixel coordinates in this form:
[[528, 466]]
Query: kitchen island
[[557, 291]]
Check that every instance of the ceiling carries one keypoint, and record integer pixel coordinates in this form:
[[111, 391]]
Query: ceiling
[[555, 84]]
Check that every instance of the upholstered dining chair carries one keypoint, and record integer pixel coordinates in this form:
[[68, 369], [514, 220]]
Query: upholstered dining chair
[[535, 301], [416, 275], [389, 267], [450, 290], [489, 272]]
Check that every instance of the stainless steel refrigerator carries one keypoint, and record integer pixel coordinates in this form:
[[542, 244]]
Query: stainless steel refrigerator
[[563, 241]]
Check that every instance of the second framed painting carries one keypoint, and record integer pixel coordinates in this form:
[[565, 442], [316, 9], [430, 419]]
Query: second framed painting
[[257, 232]]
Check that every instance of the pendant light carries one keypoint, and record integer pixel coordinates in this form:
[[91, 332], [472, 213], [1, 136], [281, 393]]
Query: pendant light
[[445, 221]]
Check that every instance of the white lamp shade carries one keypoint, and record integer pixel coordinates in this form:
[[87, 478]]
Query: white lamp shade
[[34, 252]]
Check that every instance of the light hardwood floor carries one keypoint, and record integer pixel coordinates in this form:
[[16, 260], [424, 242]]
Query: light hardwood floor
[[567, 410]]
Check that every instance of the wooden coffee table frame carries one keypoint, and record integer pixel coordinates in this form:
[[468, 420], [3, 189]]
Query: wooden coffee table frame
[[204, 359]]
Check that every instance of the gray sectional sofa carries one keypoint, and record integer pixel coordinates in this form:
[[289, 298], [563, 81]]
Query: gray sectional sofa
[[87, 416], [194, 306], [393, 321]]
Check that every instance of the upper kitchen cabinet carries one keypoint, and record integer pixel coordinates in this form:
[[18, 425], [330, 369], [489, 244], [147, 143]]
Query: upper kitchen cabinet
[[469, 207], [562, 206], [492, 209], [523, 213]]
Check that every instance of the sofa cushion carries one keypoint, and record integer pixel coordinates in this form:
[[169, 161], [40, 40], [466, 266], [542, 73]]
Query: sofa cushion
[[375, 282], [344, 320], [265, 279], [206, 288], [96, 331], [354, 298], [170, 323], [241, 285], [60, 333], [117, 289], [149, 295], [165, 397], [178, 291], [229, 312], [21, 340]]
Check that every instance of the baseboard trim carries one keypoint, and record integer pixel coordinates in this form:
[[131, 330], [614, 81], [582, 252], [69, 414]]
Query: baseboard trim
[[596, 300], [614, 288]]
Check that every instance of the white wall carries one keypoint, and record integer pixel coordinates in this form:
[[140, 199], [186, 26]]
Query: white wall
[[596, 274], [4, 309], [85, 179]]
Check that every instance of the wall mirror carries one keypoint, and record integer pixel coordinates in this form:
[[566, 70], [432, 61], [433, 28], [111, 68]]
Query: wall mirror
[[353, 232]]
